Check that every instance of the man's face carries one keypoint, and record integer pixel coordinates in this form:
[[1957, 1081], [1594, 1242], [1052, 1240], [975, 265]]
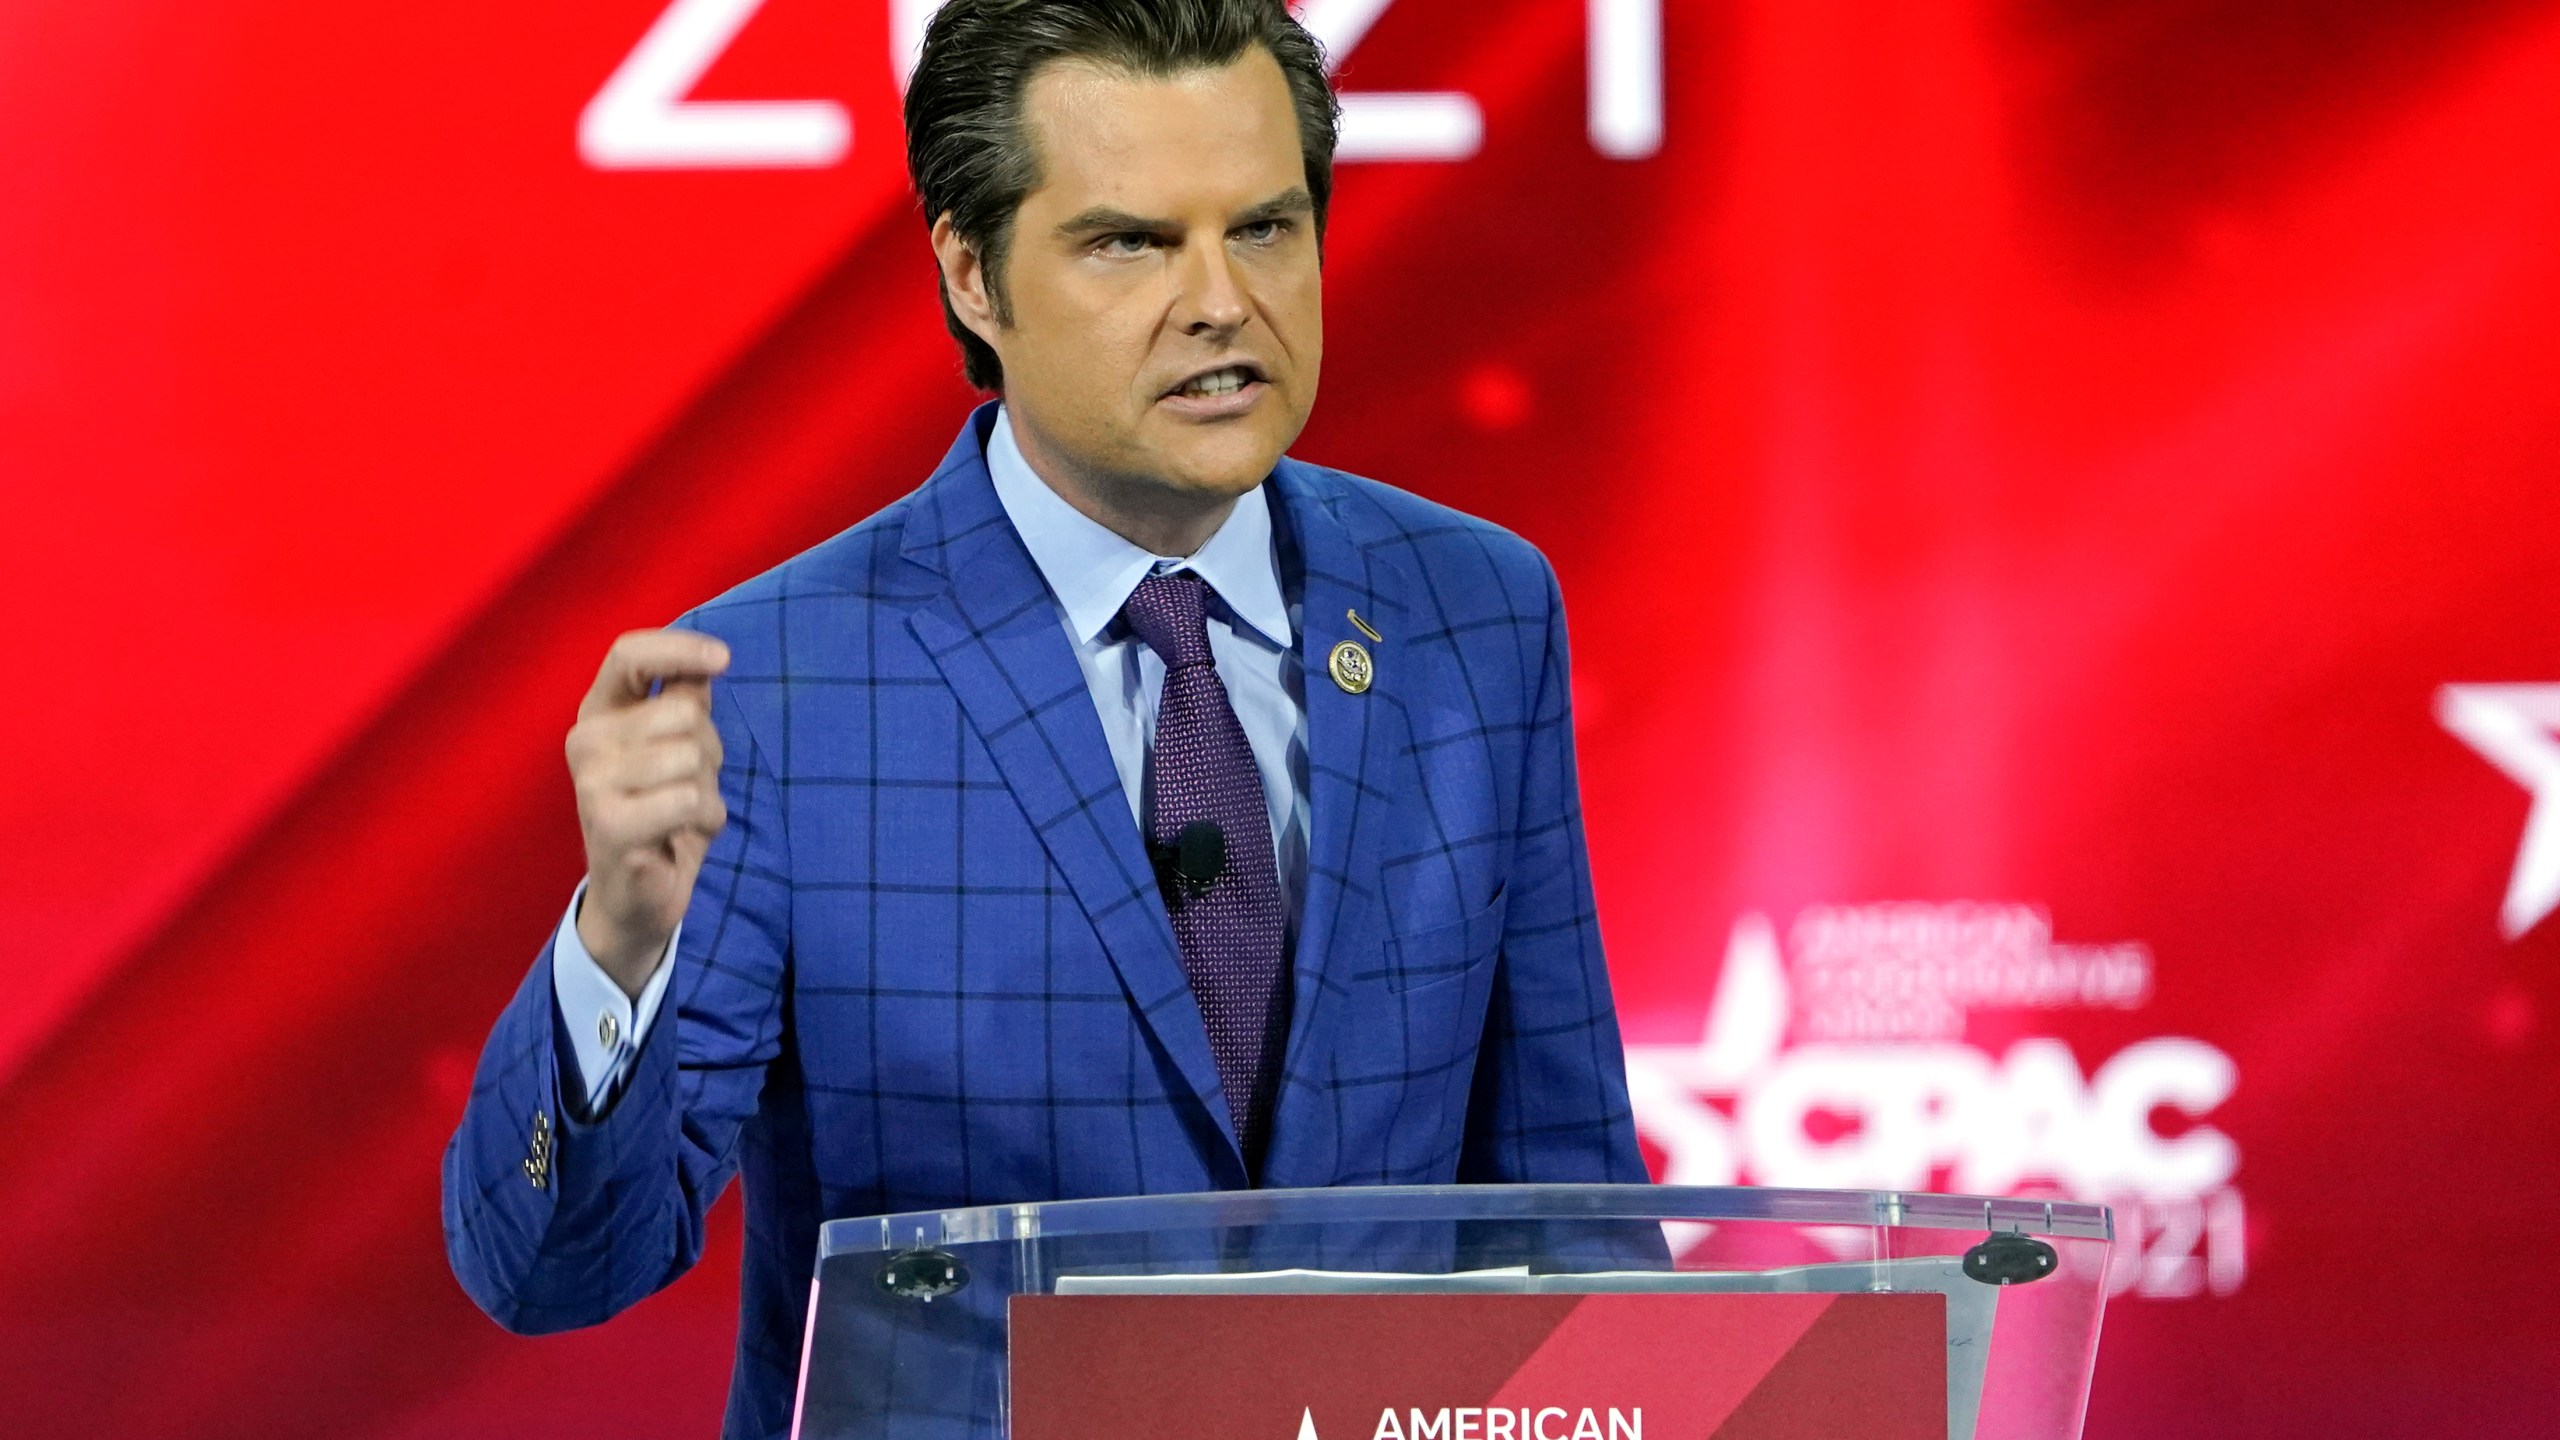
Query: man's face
[[1171, 239]]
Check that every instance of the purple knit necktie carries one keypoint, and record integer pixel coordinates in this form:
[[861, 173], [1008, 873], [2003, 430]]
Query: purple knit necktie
[[1229, 924]]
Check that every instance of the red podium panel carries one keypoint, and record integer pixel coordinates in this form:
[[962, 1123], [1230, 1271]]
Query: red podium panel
[[1480, 1367]]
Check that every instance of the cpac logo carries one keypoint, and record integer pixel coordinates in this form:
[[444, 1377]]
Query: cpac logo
[[1848, 1069], [643, 120]]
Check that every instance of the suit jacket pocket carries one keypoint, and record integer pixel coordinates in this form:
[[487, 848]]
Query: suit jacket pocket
[[1445, 954]]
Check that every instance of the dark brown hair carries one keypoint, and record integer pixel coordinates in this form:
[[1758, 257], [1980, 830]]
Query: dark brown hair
[[970, 157]]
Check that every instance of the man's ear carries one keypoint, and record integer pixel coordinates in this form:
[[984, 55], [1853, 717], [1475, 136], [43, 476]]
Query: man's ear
[[964, 279]]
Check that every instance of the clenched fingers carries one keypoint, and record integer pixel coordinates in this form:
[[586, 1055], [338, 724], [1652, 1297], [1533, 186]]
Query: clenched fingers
[[646, 767], [644, 820], [599, 741]]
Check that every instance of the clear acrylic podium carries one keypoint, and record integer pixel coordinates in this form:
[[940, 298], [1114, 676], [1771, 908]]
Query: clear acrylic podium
[[909, 1330]]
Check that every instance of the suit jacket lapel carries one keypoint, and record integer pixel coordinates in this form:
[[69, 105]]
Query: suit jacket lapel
[[1353, 742], [994, 633]]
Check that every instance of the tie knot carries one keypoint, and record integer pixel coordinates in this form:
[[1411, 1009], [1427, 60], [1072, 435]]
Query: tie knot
[[1171, 614]]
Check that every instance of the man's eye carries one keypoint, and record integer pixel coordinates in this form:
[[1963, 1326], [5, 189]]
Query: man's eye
[[1128, 242], [1263, 232]]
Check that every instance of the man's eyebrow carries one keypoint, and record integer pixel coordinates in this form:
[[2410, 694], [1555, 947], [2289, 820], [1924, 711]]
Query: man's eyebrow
[[1103, 217], [1100, 218], [1292, 201]]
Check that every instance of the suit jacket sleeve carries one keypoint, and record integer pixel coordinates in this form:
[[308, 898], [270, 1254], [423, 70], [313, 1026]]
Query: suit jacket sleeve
[[619, 1212], [1550, 1098]]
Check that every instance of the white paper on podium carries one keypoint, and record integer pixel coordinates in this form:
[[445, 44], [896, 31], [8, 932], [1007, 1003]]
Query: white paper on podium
[[1514, 1280]]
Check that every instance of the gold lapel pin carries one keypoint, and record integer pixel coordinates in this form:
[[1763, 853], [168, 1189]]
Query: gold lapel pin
[[1351, 667]]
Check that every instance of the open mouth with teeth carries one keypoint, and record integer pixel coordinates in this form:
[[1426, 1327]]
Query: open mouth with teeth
[[1217, 383]]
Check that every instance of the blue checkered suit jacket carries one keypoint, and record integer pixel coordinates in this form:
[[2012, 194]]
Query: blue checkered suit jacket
[[926, 964]]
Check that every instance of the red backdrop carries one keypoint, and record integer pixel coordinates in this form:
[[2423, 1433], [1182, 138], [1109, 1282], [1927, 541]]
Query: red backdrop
[[2024, 476]]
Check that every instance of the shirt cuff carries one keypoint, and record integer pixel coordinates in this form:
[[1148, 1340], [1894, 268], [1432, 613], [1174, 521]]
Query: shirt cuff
[[605, 1025]]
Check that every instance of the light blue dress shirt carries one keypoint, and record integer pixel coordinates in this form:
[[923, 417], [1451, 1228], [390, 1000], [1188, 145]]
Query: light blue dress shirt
[[1091, 572]]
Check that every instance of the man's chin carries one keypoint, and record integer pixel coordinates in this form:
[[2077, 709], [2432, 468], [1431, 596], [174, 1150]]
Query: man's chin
[[1220, 471], [1226, 482]]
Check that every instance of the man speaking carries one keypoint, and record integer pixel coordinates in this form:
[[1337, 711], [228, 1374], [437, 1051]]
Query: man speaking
[[1129, 808]]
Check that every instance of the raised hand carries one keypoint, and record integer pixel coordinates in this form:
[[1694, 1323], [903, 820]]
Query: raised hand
[[647, 771]]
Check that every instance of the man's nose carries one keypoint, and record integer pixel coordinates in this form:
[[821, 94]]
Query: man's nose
[[1212, 297]]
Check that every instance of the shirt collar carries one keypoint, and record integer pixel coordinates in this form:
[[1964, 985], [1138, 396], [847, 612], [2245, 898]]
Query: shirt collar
[[1092, 570]]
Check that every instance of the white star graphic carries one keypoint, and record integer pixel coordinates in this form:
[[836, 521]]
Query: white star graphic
[[2512, 727]]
